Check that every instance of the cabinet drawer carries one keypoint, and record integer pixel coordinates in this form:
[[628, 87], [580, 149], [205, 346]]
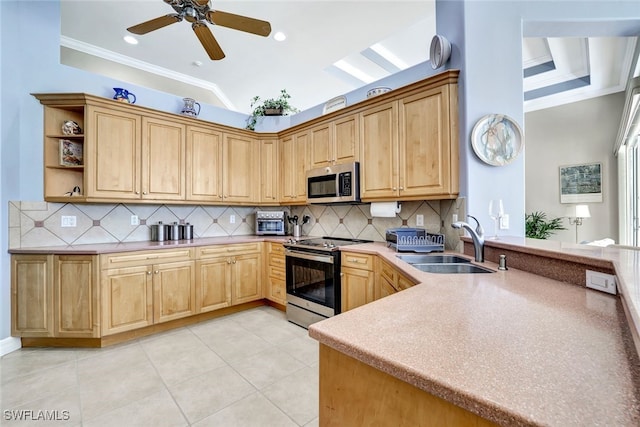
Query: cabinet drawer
[[388, 272], [127, 259], [357, 260], [276, 260], [275, 248], [277, 272], [221, 250]]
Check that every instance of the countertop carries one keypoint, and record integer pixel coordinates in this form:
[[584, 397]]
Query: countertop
[[511, 346], [105, 248]]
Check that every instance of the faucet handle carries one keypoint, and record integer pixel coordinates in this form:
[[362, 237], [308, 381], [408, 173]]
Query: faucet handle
[[479, 229]]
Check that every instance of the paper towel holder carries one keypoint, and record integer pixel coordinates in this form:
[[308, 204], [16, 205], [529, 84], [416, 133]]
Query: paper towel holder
[[390, 211]]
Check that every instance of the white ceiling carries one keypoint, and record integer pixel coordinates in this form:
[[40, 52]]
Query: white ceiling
[[319, 33]]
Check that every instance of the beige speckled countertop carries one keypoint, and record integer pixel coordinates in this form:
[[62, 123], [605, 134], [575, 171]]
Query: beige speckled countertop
[[104, 248], [512, 346]]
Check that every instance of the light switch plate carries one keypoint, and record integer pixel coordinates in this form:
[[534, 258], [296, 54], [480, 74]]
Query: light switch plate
[[419, 220], [504, 222], [135, 220], [232, 219], [601, 281]]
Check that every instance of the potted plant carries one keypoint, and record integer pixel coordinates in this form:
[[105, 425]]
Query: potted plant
[[270, 107], [537, 226]]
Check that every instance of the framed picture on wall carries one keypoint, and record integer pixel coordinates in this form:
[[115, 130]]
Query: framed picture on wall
[[581, 183]]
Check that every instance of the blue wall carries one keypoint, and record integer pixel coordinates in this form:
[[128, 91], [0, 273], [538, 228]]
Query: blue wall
[[486, 37]]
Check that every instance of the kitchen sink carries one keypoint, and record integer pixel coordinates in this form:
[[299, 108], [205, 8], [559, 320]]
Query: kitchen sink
[[459, 268], [433, 259]]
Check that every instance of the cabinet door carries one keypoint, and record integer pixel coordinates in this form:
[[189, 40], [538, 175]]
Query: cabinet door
[[112, 157], [386, 287], [321, 146], [346, 140], [204, 165], [75, 288], [246, 278], [379, 152], [213, 284], [127, 299], [287, 170], [300, 165], [163, 159], [240, 169], [174, 293], [269, 171], [425, 158], [357, 288], [31, 296]]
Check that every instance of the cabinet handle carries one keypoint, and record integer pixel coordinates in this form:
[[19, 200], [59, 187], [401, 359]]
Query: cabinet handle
[[401, 188], [149, 273], [157, 271], [394, 188], [144, 193], [234, 261], [137, 192], [220, 196]]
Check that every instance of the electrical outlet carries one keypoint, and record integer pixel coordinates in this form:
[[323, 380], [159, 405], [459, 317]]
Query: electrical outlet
[[504, 222], [68, 221], [419, 220], [601, 281], [454, 218], [135, 220], [232, 219]]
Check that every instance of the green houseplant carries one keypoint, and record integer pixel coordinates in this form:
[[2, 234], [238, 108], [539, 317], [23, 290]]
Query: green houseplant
[[538, 227], [270, 107]]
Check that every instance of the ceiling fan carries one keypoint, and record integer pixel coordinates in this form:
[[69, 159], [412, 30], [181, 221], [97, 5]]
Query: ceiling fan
[[199, 12]]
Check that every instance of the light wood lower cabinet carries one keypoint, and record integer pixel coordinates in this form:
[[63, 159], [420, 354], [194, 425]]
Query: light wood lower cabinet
[[54, 296], [390, 280], [228, 275], [357, 280], [276, 285], [146, 294]]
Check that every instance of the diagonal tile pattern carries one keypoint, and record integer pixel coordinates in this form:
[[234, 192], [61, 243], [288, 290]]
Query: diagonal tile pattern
[[194, 376]]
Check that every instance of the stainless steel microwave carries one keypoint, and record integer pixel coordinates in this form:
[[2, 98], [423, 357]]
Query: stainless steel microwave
[[334, 184]]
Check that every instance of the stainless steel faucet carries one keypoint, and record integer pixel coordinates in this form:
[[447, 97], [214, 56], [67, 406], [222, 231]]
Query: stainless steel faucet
[[477, 236]]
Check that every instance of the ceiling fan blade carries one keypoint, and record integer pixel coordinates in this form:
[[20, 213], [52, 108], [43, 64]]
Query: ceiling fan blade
[[208, 41], [239, 22], [154, 24]]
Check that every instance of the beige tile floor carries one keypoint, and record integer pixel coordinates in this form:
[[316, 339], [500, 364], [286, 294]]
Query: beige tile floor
[[247, 369]]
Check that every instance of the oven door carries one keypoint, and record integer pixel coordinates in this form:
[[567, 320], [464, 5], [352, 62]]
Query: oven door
[[313, 281], [270, 227]]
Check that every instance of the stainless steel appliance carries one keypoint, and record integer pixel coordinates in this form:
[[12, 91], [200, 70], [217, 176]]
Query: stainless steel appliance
[[270, 223], [313, 278], [334, 184]]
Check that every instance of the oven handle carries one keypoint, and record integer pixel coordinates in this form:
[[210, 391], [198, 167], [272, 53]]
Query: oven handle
[[309, 256]]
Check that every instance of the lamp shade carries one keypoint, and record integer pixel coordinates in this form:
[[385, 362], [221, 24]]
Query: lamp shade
[[582, 211], [577, 211]]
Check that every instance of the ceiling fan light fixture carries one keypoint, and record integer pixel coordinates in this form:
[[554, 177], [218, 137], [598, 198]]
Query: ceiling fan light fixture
[[279, 36], [130, 40]]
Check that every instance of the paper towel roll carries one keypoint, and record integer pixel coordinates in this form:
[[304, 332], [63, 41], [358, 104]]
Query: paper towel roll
[[385, 209]]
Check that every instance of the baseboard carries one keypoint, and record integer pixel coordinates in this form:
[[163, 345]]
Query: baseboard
[[9, 344]]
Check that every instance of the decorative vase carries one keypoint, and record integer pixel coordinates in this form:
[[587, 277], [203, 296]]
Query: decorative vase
[[189, 107], [123, 95]]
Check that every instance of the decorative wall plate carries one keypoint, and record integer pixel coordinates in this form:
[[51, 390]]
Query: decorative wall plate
[[337, 103], [497, 139]]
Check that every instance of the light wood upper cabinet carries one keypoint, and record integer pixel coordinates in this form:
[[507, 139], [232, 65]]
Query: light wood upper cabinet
[[113, 154], [240, 169], [204, 164], [269, 193], [293, 168], [409, 147], [163, 159], [379, 151], [334, 142]]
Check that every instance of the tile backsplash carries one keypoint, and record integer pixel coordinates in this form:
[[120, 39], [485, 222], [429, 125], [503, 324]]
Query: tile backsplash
[[33, 224]]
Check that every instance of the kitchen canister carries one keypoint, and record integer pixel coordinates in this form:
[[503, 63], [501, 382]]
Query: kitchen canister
[[159, 232], [174, 231], [186, 231]]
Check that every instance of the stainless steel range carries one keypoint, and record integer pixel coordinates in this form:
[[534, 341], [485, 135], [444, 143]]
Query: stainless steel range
[[313, 278]]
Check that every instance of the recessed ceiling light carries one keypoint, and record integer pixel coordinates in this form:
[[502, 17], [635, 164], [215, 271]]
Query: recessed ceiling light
[[279, 36], [130, 39], [197, 63]]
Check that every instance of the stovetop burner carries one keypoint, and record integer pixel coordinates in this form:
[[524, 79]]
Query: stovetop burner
[[323, 243]]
